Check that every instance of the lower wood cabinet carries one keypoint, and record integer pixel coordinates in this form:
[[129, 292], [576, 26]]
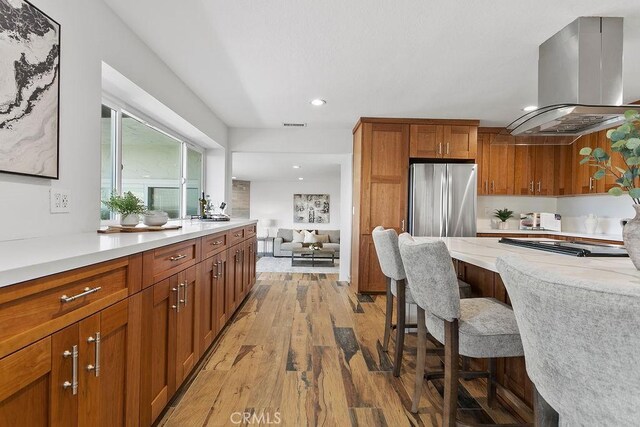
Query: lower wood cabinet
[[84, 374]]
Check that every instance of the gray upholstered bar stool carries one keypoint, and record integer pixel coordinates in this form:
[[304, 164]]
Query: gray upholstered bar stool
[[472, 327], [386, 244], [581, 344]]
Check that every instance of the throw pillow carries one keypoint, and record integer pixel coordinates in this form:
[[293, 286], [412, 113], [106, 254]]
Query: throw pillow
[[298, 237], [310, 236], [322, 238]]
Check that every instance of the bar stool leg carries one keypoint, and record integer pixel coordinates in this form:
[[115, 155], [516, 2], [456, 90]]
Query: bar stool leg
[[450, 373], [491, 383], [420, 360], [544, 414], [388, 317], [400, 300]]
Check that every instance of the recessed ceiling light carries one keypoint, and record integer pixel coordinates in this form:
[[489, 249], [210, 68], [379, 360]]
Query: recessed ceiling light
[[233, 177], [530, 108], [300, 179], [296, 167], [318, 102]]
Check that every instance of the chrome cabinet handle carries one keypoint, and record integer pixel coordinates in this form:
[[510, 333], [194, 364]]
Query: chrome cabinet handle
[[177, 257], [486, 186], [447, 148], [184, 301], [402, 225], [176, 307], [216, 243], [531, 187], [74, 370], [493, 186], [238, 235], [215, 275], [539, 186], [95, 368], [590, 183], [86, 291], [440, 148]]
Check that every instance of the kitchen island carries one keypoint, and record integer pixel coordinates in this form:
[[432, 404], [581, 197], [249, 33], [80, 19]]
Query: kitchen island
[[475, 262]]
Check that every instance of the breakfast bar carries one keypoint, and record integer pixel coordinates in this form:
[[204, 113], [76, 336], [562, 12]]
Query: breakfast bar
[[475, 263]]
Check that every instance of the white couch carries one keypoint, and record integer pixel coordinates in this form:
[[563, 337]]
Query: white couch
[[283, 243]]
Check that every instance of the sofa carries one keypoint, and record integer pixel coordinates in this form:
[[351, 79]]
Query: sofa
[[283, 242]]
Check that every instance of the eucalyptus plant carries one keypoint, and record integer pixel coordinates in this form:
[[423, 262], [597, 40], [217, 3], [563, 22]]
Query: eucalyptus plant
[[625, 141], [126, 204], [503, 214]]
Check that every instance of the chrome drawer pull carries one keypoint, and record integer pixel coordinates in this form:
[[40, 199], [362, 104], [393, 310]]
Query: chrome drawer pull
[[95, 368], [177, 257], [184, 294], [238, 234], [216, 243], [87, 291], [215, 276], [74, 369], [177, 306]]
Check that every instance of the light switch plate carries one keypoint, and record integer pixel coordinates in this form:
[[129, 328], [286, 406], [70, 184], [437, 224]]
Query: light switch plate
[[60, 200]]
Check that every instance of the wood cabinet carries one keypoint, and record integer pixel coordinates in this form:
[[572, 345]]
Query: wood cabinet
[[187, 322], [534, 170], [437, 141], [496, 163]]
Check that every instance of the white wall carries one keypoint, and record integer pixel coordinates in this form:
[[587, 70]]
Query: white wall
[[91, 33], [294, 140], [274, 200], [215, 177]]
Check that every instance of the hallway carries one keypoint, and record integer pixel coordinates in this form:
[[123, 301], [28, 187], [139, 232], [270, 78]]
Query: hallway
[[305, 350]]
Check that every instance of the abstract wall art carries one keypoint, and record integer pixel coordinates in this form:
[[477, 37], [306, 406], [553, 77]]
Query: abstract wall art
[[29, 90], [311, 208]]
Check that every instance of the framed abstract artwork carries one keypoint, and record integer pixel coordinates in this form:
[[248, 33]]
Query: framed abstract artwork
[[311, 208], [29, 90]]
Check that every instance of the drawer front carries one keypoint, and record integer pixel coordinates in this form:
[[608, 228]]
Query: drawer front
[[214, 244], [32, 310], [160, 263], [236, 236], [250, 230]]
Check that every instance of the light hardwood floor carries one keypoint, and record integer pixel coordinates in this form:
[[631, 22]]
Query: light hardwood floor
[[305, 350]]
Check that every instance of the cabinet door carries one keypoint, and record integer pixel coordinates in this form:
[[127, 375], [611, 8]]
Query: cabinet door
[[221, 280], [501, 168], [158, 343], [564, 166], [28, 386], [583, 183], [483, 159], [385, 175], [523, 182], [544, 156], [371, 277], [64, 399], [238, 276], [207, 270], [246, 271], [187, 327], [426, 141], [605, 184], [109, 365], [231, 299], [460, 142]]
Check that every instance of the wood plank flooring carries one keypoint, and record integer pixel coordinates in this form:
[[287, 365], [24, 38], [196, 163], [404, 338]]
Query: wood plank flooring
[[304, 350]]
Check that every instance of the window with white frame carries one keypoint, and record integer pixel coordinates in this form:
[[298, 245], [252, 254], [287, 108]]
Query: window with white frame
[[162, 169]]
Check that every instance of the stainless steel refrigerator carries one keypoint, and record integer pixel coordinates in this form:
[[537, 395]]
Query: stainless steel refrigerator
[[443, 199]]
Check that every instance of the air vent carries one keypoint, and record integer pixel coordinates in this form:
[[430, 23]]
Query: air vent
[[294, 125]]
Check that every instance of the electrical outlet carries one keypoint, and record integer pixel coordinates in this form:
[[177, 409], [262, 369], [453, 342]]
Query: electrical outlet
[[60, 200]]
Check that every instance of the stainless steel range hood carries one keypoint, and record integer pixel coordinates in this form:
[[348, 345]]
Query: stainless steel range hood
[[579, 82]]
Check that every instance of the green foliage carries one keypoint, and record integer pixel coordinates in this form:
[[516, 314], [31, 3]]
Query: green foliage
[[126, 204], [503, 214], [624, 142]]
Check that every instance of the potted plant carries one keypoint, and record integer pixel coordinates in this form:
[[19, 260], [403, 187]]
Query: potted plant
[[503, 215], [625, 142], [129, 206]]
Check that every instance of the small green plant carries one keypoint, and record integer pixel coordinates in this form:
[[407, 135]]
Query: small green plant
[[503, 214], [126, 204], [625, 141]]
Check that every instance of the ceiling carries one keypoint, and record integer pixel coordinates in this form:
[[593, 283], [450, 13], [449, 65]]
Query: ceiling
[[278, 167], [258, 63]]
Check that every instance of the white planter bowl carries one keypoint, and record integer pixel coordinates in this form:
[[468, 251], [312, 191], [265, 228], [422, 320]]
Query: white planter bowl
[[130, 220], [155, 218]]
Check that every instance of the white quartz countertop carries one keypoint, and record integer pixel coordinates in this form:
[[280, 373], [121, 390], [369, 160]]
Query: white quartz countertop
[[484, 251], [554, 233], [28, 259]]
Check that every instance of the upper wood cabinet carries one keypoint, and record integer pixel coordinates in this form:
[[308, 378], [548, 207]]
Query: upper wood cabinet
[[435, 141], [534, 170], [496, 165]]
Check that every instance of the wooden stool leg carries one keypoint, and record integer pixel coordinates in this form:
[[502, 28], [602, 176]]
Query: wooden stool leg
[[388, 317], [450, 373], [544, 415], [491, 383], [420, 360], [400, 300]]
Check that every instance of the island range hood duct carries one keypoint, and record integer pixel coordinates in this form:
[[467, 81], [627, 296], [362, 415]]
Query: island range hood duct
[[579, 83]]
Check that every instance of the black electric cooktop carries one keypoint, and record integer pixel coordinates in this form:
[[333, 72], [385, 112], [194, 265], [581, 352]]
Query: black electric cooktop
[[570, 248]]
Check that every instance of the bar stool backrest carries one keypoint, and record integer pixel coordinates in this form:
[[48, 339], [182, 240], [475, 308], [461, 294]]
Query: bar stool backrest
[[386, 243], [581, 342], [431, 276]]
